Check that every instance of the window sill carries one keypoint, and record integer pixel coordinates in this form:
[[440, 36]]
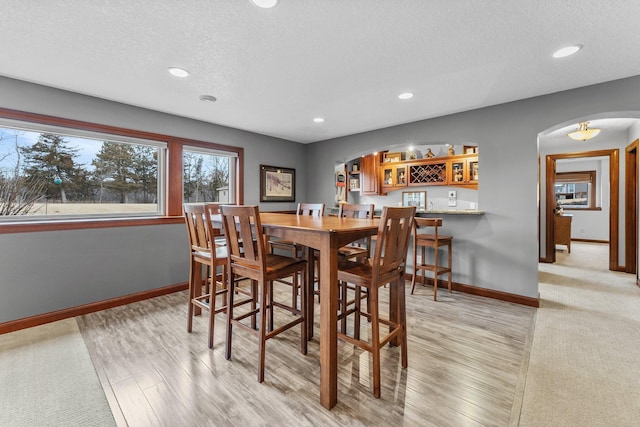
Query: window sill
[[29, 227], [581, 209]]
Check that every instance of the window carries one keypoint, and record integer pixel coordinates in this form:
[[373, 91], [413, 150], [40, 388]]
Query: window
[[576, 190], [60, 174], [51, 172], [206, 175]]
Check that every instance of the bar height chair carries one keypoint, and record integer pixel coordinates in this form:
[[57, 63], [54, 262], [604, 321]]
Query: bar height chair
[[204, 253], [359, 250], [386, 267], [249, 258], [294, 249], [430, 238]]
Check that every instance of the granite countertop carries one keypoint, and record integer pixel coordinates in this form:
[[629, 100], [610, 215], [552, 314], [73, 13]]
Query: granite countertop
[[378, 212], [451, 212]]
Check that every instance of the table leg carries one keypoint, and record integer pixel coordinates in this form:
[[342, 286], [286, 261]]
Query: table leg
[[329, 322]]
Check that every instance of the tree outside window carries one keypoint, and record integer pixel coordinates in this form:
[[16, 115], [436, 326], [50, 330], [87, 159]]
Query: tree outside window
[[44, 173]]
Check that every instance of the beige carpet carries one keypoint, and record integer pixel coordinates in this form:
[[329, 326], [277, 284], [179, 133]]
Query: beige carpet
[[584, 367], [47, 379]]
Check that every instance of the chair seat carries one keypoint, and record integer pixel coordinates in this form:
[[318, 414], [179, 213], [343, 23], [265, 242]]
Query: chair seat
[[221, 253], [361, 273], [442, 240], [282, 243], [352, 251], [277, 265]]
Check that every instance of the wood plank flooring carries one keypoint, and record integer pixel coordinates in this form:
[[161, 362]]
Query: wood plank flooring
[[465, 355]]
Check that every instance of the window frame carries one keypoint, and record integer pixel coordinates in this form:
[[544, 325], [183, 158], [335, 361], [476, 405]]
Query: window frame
[[172, 185], [160, 146]]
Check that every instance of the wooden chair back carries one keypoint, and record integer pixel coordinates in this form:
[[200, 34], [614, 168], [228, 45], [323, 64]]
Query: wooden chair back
[[213, 211], [353, 210], [392, 242], [241, 225], [312, 209], [199, 228]]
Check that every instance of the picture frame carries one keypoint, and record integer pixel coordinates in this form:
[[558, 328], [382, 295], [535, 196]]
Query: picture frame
[[415, 198], [469, 149], [392, 157], [277, 184]]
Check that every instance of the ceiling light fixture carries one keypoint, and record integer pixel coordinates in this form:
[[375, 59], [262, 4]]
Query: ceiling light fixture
[[265, 4], [178, 72], [318, 120], [583, 132], [566, 51], [208, 98], [406, 95]]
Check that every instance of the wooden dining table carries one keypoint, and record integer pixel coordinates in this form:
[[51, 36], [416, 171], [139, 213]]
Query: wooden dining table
[[326, 234]]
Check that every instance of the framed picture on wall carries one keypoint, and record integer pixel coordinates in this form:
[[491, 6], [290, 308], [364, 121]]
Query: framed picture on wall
[[469, 149], [277, 184], [415, 198]]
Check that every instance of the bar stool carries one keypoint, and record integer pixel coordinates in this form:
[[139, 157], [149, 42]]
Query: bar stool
[[205, 252], [355, 251], [242, 226], [430, 239], [386, 267], [294, 249]]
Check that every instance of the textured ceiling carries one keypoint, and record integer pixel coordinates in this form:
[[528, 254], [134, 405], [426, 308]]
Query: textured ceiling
[[274, 70]]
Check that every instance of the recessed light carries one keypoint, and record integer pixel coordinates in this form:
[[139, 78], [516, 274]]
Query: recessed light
[[406, 95], [265, 4], [208, 98], [566, 51], [318, 120], [178, 72]]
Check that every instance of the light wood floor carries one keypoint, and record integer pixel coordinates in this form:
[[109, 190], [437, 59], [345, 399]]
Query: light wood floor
[[465, 357]]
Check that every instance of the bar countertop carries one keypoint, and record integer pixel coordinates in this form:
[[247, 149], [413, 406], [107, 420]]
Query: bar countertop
[[450, 212], [427, 213]]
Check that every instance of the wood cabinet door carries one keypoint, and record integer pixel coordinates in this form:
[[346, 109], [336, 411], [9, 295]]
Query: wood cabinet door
[[393, 176], [369, 175]]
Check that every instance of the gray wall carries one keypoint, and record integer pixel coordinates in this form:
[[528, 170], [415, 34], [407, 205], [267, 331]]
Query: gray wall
[[43, 272], [500, 249]]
